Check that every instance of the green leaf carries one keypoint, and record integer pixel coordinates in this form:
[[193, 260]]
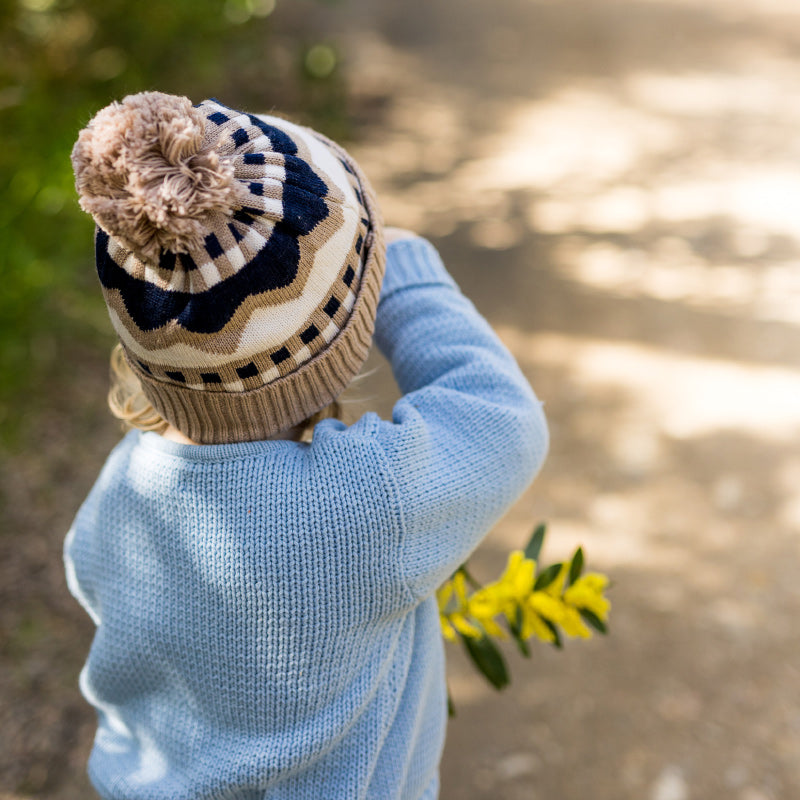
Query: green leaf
[[488, 659], [451, 708], [547, 577], [576, 567], [557, 636], [534, 546], [516, 631], [522, 646], [593, 620], [468, 576]]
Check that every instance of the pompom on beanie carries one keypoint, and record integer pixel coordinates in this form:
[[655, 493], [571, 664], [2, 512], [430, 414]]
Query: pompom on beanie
[[240, 256]]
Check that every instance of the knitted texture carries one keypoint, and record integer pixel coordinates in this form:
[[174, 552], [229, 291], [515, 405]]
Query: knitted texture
[[266, 621], [240, 256]]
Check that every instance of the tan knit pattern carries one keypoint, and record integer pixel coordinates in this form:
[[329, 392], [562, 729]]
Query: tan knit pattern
[[143, 170]]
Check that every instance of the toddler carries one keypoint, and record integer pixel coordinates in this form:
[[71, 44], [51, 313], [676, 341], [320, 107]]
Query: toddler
[[265, 612]]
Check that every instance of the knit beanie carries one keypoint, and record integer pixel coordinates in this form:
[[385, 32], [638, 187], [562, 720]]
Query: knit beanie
[[240, 257]]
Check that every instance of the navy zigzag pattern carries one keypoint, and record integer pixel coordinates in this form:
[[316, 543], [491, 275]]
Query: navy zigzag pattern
[[150, 307]]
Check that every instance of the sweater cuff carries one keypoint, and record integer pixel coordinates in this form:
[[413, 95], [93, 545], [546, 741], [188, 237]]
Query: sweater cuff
[[413, 262]]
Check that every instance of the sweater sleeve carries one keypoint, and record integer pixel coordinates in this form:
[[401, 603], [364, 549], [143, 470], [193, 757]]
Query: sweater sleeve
[[468, 435]]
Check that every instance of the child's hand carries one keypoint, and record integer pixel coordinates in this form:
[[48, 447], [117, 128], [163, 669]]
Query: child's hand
[[397, 234]]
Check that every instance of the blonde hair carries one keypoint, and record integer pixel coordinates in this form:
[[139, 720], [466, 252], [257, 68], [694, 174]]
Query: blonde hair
[[128, 402], [126, 399]]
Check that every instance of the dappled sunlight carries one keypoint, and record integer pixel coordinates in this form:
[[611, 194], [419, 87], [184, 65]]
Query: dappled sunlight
[[578, 137], [672, 272], [763, 198], [682, 397], [678, 187], [766, 89], [659, 515], [733, 8]]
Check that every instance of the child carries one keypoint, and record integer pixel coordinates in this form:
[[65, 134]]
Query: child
[[266, 626]]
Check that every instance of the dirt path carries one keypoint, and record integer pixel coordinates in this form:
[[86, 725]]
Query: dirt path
[[615, 183]]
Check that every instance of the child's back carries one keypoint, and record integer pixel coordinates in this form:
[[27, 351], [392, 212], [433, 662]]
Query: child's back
[[265, 611]]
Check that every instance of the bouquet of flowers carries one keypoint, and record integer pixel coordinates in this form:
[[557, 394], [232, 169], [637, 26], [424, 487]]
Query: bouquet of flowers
[[526, 602]]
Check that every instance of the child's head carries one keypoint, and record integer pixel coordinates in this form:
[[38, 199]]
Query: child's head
[[240, 257]]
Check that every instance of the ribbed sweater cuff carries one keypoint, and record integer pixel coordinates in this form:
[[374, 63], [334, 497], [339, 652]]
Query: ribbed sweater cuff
[[413, 262]]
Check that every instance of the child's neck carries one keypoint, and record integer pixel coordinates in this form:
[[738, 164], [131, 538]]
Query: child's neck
[[174, 435]]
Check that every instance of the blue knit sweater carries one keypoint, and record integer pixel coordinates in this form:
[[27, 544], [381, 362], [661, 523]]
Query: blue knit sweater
[[266, 625]]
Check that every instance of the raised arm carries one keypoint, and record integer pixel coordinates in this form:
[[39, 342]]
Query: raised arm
[[468, 435]]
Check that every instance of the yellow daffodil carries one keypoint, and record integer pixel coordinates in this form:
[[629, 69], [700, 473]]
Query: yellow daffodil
[[533, 625], [460, 588], [460, 622], [547, 606], [536, 611], [513, 587], [587, 593], [457, 618], [443, 596], [556, 588], [572, 624], [545, 613], [517, 580], [484, 606]]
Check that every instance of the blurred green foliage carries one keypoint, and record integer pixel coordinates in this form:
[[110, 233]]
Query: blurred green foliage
[[60, 62]]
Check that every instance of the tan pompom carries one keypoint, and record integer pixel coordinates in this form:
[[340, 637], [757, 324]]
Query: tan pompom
[[142, 172]]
